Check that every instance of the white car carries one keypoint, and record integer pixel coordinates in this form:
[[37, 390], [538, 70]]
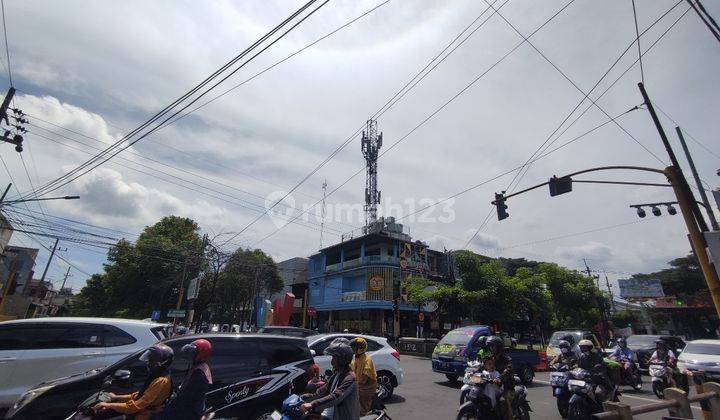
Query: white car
[[701, 355], [385, 358], [40, 349]]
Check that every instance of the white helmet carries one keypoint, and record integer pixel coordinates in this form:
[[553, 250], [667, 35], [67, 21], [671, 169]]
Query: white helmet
[[586, 343]]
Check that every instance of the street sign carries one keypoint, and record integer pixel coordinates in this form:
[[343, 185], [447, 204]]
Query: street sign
[[640, 288], [176, 313], [193, 288], [155, 315]]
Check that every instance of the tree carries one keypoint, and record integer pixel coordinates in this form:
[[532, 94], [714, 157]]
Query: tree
[[575, 299], [683, 278], [625, 318]]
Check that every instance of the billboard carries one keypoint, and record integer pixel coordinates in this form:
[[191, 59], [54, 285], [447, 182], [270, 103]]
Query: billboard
[[640, 288], [193, 288]]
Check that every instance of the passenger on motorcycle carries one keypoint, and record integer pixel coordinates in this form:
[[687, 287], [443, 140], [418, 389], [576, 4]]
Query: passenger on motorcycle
[[625, 356], [566, 357], [364, 374], [573, 345], [481, 345], [338, 398], [663, 355], [189, 401], [591, 360], [151, 396], [503, 364]]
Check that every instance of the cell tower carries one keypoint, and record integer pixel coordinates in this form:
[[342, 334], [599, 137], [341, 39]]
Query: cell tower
[[371, 144], [322, 212]]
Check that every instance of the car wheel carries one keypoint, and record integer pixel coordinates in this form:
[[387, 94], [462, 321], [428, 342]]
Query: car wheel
[[451, 378], [386, 385]]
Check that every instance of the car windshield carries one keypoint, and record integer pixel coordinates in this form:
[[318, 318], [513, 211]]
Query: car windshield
[[558, 335], [459, 337], [703, 348], [642, 340]]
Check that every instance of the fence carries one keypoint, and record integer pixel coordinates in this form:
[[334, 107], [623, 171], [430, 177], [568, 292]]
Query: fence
[[676, 402]]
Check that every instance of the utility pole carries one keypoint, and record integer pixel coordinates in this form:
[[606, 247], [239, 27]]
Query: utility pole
[[5, 193], [52, 254], [689, 208], [612, 300], [601, 305], [703, 196], [67, 273], [8, 284]]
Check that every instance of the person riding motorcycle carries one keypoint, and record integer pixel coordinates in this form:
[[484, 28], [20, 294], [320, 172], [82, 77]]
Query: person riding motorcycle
[[482, 349], [503, 364], [663, 355], [189, 402], [573, 345], [364, 374], [625, 356], [592, 360], [566, 357], [151, 396], [338, 398]]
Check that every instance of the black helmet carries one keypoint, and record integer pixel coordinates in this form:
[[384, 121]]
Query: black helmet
[[158, 355], [482, 341], [621, 342], [495, 340], [564, 344], [340, 349], [660, 342]]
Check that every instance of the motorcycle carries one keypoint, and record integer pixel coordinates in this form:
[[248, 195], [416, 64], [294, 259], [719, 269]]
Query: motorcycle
[[85, 410], [588, 394], [663, 376], [291, 411], [479, 406], [559, 382], [472, 367], [631, 378]]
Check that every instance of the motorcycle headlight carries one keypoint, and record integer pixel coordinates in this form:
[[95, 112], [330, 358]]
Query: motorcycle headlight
[[29, 396]]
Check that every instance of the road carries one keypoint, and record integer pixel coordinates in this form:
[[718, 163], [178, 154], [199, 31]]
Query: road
[[428, 395]]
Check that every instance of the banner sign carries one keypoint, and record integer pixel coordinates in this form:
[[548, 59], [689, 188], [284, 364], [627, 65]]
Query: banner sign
[[176, 313], [193, 288], [640, 288]]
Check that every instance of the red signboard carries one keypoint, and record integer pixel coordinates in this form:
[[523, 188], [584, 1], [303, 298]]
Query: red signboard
[[311, 311]]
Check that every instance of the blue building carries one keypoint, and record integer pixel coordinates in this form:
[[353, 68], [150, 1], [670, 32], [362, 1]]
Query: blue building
[[352, 284]]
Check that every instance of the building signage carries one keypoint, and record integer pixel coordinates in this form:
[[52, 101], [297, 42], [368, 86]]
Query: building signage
[[193, 288], [353, 296], [176, 313], [640, 288], [377, 283]]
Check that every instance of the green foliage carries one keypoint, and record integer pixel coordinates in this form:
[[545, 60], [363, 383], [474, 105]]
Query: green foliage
[[683, 278], [624, 318]]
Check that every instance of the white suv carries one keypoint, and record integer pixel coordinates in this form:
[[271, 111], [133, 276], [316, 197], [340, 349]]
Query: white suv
[[385, 358], [36, 350]]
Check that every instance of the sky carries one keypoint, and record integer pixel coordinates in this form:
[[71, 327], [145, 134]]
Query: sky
[[88, 72]]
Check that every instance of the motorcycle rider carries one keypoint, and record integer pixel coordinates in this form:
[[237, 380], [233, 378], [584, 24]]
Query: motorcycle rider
[[663, 355], [338, 398], [481, 345], [591, 360], [503, 364], [154, 392], [364, 374], [625, 356], [573, 345], [189, 402], [566, 357]]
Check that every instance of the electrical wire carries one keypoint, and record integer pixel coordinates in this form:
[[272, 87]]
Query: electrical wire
[[7, 49]]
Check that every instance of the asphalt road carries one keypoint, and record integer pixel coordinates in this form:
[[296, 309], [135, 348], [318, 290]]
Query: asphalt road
[[428, 395]]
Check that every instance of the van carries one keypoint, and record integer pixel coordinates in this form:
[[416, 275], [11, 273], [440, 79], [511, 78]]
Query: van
[[553, 349]]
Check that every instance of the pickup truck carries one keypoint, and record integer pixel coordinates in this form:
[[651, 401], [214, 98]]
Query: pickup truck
[[453, 351]]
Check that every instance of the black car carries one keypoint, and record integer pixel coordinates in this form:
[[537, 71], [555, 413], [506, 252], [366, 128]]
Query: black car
[[644, 346], [252, 374], [290, 331]]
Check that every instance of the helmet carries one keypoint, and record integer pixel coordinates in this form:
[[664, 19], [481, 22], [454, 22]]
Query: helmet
[[660, 342], [182, 330], [158, 356], [563, 344], [622, 342], [359, 345], [482, 341], [340, 349], [496, 341], [585, 343], [198, 351]]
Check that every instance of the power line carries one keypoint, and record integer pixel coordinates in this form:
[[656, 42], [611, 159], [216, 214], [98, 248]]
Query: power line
[[7, 49], [103, 156]]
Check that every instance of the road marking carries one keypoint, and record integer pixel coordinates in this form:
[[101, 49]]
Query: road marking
[[625, 395]]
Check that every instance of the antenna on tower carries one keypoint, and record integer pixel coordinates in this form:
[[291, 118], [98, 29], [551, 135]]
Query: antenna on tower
[[322, 211], [370, 146]]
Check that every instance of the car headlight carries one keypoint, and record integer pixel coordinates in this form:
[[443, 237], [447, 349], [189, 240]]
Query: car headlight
[[29, 396]]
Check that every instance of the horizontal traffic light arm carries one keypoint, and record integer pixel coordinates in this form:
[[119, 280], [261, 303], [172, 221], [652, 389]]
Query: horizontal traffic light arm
[[602, 168]]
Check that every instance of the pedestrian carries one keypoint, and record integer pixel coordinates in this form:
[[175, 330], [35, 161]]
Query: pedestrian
[[364, 374]]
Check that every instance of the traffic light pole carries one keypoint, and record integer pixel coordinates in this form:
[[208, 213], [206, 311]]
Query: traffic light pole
[[701, 190]]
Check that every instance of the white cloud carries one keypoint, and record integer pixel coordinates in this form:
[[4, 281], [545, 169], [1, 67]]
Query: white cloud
[[596, 252], [482, 241]]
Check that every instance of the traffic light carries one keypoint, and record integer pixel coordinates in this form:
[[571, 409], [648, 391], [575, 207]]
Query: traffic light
[[560, 185], [501, 206]]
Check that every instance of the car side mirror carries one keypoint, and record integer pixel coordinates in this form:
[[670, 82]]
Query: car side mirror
[[312, 353], [121, 375]]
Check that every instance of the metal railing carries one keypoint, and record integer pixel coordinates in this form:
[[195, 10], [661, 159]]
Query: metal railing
[[676, 401]]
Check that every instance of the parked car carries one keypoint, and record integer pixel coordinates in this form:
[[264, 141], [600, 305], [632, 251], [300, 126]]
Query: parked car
[[252, 374], [385, 358], [552, 348], [701, 355], [37, 350], [453, 351], [644, 345], [291, 331]]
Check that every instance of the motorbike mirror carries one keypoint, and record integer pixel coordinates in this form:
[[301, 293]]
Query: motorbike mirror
[[312, 353], [121, 375]]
